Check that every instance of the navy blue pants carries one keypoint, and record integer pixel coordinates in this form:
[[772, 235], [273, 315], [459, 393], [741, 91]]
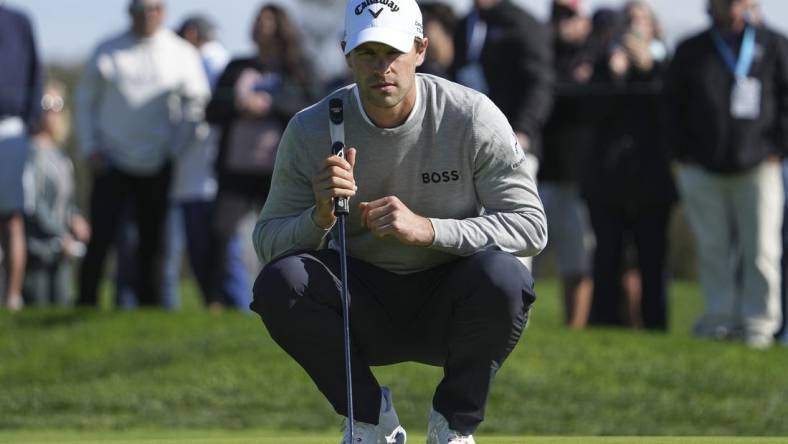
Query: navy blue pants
[[466, 316]]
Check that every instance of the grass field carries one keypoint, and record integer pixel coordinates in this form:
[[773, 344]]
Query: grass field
[[193, 376], [246, 437]]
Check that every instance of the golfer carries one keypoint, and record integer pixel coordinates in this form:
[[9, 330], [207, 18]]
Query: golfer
[[441, 203]]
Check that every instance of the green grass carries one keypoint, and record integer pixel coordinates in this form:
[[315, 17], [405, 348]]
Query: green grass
[[110, 374], [254, 437]]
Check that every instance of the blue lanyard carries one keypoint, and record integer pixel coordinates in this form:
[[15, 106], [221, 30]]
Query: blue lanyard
[[741, 67]]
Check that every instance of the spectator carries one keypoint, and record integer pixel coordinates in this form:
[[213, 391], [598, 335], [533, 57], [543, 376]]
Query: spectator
[[439, 25], [139, 100], [20, 95], [782, 333], [566, 136], [627, 180], [254, 99], [728, 93], [193, 192], [56, 232], [503, 51]]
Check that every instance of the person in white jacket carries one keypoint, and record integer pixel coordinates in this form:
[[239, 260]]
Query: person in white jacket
[[138, 104]]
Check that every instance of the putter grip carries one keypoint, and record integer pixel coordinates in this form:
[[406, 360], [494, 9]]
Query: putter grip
[[341, 205]]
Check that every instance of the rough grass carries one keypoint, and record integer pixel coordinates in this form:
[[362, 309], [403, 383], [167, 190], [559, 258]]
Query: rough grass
[[192, 372]]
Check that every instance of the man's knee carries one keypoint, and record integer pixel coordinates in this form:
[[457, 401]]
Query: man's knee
[[278, 285], [507, 284]]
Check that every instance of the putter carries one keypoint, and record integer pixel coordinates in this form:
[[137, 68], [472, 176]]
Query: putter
[[341, 210]]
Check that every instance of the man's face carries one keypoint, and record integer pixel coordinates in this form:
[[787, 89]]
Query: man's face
[[732, 14], [147, 16], [383, 74]]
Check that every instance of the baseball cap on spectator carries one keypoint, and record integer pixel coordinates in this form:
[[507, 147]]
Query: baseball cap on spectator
[[396, 23], [202, 25]]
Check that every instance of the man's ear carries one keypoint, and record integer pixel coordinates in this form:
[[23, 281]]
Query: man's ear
[[421, 50]]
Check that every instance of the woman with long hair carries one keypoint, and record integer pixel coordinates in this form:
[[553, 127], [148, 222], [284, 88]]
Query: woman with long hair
[[254, 99], [627, 181]]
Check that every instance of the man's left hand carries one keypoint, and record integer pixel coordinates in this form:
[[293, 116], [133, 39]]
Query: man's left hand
[[388, 216]]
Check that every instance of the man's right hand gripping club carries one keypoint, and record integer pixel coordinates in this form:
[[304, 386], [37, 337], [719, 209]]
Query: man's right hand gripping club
[[334, 180]]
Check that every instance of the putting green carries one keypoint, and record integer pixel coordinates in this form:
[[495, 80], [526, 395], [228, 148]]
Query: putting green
[[264, 437]]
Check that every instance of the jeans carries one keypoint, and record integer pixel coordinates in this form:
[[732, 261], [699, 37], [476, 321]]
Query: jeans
[[189, 227]]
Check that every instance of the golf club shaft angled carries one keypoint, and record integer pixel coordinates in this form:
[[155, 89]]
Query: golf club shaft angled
[[341, 210], [346, 318]]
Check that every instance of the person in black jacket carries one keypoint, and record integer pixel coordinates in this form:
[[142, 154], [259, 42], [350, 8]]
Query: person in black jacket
[[254, 99], [626, 177], [503, 51], [728, 96], [567, 133]]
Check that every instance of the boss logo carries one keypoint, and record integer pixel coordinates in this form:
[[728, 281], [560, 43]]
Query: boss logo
[[440, 176]]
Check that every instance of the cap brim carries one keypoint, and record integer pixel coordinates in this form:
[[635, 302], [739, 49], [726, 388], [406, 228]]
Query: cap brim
[[401, 41]]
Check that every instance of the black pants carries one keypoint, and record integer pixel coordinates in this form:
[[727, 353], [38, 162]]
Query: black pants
[[113, 192], [648, 229], [466, 316]]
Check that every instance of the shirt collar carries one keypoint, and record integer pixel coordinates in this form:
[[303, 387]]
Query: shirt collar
[[411, 116]]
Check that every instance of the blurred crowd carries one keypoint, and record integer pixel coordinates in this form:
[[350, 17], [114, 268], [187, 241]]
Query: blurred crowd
[[180, 139]]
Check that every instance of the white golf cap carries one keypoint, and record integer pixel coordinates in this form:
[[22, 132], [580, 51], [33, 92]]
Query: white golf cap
[[396, 23]]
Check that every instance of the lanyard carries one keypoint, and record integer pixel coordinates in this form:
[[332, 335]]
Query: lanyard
[[741, 67], [477, 34]]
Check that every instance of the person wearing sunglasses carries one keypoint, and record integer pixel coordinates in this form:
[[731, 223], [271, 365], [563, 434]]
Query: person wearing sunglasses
[[56, 231]]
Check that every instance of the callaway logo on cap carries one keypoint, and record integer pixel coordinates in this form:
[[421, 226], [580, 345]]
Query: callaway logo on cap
[[396, 23]]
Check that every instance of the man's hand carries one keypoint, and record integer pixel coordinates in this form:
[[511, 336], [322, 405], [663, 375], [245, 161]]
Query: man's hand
[[388, 216], [80, 228], [335, 179]]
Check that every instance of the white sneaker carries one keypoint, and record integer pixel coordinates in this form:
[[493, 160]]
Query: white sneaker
[[758, 341], [388, 430], [438, 432]]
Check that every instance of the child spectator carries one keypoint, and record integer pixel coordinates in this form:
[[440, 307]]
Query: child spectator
[[56, 232]]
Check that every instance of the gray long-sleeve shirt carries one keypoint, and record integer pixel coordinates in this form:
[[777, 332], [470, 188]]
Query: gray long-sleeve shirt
[[455, 160]]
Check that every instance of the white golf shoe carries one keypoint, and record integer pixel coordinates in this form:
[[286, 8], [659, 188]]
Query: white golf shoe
[[438, 432], [387, 431]]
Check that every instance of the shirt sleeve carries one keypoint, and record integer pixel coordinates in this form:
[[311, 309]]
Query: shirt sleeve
[[536, 65], [32, 113], [674, 96], [285, 224], [782, 95], [513, 219], [86, 100], [194, 93]]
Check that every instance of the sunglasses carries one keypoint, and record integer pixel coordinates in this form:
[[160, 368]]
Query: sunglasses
[[52, 103]]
